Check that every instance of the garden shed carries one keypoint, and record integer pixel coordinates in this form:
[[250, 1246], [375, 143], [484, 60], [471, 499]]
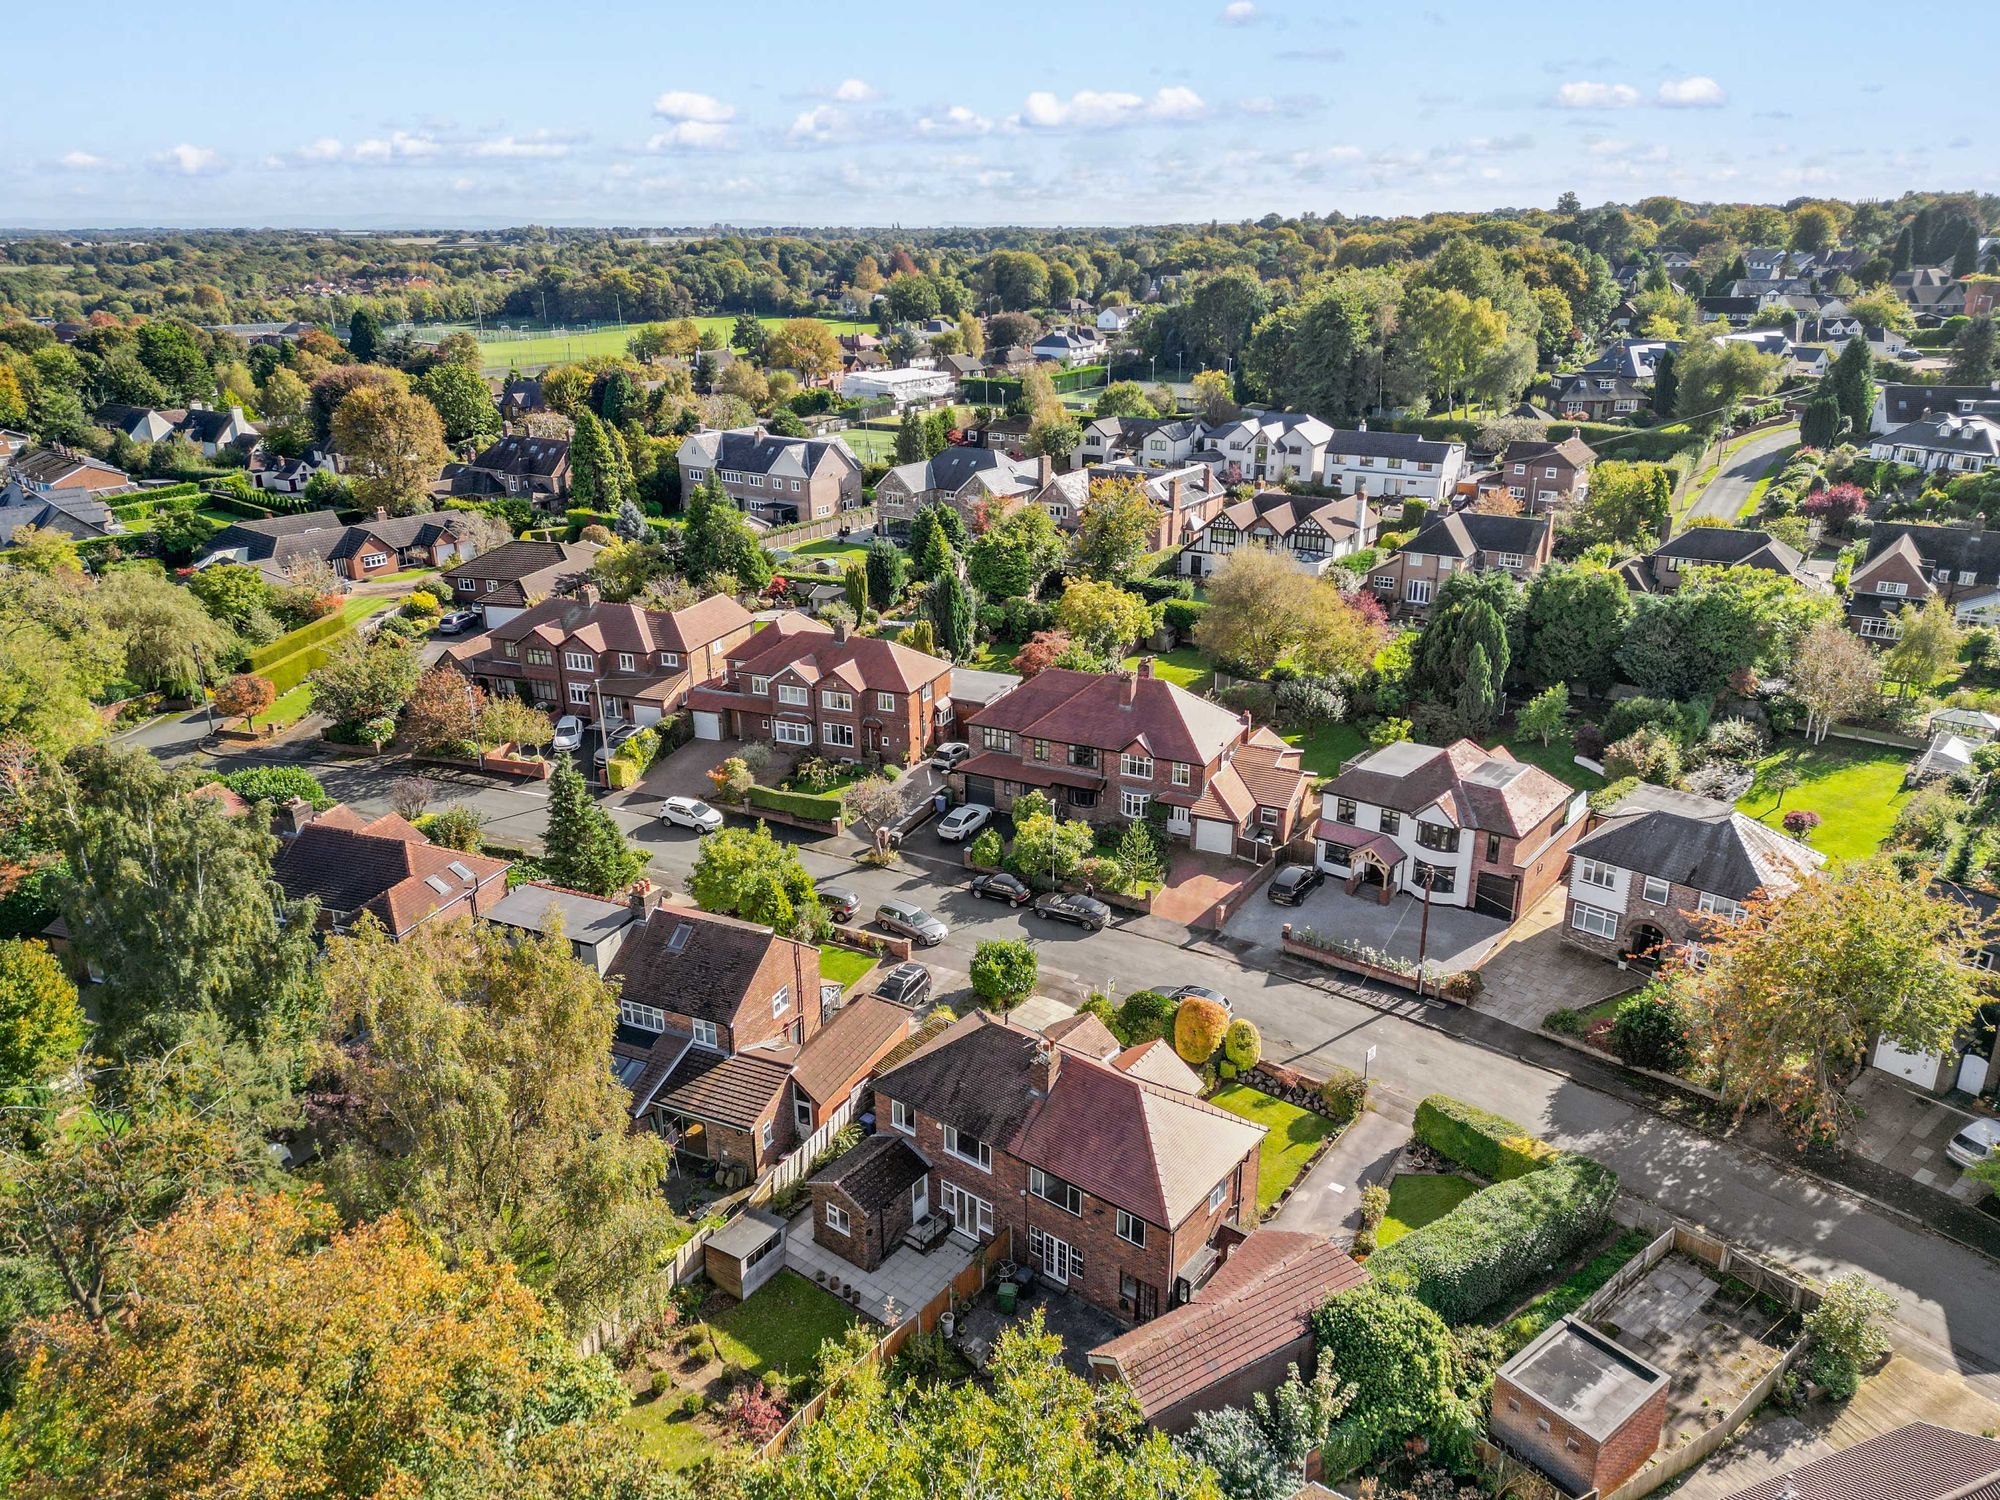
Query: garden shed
[[745, 1253]]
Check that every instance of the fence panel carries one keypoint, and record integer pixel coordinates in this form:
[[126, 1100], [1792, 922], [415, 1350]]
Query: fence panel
[[798, 1162]]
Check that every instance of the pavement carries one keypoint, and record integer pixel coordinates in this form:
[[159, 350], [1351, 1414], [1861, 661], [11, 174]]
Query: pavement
[[1455, 937], [1729, 491], [1327, 1200]]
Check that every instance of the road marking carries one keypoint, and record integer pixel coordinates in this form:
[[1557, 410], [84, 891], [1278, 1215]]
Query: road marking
[[1334, 1187]]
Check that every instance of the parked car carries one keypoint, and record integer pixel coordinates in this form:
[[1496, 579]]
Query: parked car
[[907, 983], [1000, 886], [458, 621], [1294, 883], [963, 822], [569, 733], [907, 919], [841, 904], [608, 746], [1072, 906], [950, 753], [690, 812], [1975, 1143], [1201, 992]]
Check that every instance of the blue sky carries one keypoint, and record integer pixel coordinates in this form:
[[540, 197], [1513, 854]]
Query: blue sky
[[370, 114]]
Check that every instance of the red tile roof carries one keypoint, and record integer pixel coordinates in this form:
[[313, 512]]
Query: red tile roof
[[1114, 712], [625, 627], [798, 643], [1918, 1462], [385, 867], [841, 1053]]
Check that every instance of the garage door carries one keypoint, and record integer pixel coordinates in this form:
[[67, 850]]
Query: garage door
[[707, 726], [1494, 896], [1920, 1068], [979, 789], [1211, 836]]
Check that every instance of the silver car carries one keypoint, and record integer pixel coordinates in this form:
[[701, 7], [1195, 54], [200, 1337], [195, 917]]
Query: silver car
[[907, 919], [1975, 1143]]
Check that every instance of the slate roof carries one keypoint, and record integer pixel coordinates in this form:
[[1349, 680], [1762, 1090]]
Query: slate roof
[[1699, 842], [1572, 450], [1466, 785], [752, 450], [1961, 549], [735, 1090], [58, 468], [1902, 404], [1112, 711], [876, 1173], [951, 469], [633, 628], [275, 540], [75, 513], [1260, 1300], [1466, 534], [1919, 1462], [1727, 547], [707, 976], [1975, 435], [524, 456], [385, 868], [1362, 442]]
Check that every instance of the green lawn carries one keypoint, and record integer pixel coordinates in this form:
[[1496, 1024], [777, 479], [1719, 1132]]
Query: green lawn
[[781, 1326], [668, 1436], [1857, 789], [530, 351], [844, 965], [1557, 758], [361, 606], [993, 656], [1294, 1135], [870, 445], [1416, 1198], [1328, 746], [832, 547], [1183, 666], [286, 709]]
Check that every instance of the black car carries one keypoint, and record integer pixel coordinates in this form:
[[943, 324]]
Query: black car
[[841, 904], [1068, 906], [908, 983], [1000, 886], [1202, 992], [1291, 885]]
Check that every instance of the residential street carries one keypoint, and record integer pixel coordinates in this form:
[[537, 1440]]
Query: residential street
[[1729, 491], [1950, 1295]]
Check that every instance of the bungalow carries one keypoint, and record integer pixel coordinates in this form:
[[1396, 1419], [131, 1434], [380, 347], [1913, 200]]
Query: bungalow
[[384, 868], [367, 549], [1314, 533], [73, 480], [1964, 441]]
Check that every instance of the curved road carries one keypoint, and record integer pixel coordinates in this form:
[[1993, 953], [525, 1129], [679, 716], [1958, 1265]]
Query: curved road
[[1729, 491]]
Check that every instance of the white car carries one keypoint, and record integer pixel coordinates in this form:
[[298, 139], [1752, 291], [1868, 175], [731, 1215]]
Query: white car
[[963, 822], [1975, 1143], [690, 812], [569, 733]]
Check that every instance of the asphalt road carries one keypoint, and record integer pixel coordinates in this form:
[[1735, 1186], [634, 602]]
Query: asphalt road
[[1949, 1297], [1729, 491]]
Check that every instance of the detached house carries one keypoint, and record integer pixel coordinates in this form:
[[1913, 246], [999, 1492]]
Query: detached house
[[1472, 827], [1908, 562], [804, 686], [1069, 346], [1149, 442], [1270, 447], [533, 468], [1114, 1188], [1899, 405], [1544, 475], [1962, 441], [973, 481], [1463, 541], [1107, 746], [383, 868], [773, 479], [75, 482], [1314, 533], [506, 580], [1659, 571], [1392, 465], [1600, 398]]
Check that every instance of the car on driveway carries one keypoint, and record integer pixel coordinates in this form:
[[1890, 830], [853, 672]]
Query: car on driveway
[[1000, 886], [1291, 885], [907, 983], [1975, 1143], [1201, 992], [569, 733], [963, 822], [458, 621], [609, 747], [950, 753], [690, 812], [907, 919], [1072, 906], [841, 904]]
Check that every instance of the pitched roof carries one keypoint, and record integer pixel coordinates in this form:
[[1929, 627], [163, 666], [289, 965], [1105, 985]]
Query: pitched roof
[[521, 558], [1084, 1033], [1699, 842], [735, 1090], [951, 469], [385, 867], [1157, 1062], [752, 450], [1364, 442], [626, 627], [697, 964], [528, 457], [877, 1172], [1962, 549], [1467, 533], [1973, 434], [840, 1053], [1725, 546], [1572, 450], [1280, 514], [1112, 711], [1906, 403], [1468, 786], [1260, 1300], [864, 662], [1918, 1462]]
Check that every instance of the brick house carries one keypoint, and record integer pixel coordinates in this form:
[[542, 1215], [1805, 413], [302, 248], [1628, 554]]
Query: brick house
[[1239, 1333], [1662, 865], [1479, 828], [863, 1203], [1921, 1461], [1546, 476], [1659, 571], [775, 479], [373, 548], [1599, 397], [504, 581], [973, 481], [1581, 1408], [622, 663], [1114, 1188], [801, 685], [383, 868], [533, 468], [1464, 541], [1908, 562], [1314, 533], [1107, 746]]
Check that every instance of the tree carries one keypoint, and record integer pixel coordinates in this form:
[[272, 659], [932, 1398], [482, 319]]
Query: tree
[[1054, 434], [1263, 610], [364, 335], [1117, 527], [510, 721], [41, 1024], [1014, 555], [1199, 1025], [171, 642], [1797, 990], [1546, 714], [1102, 618], [1123, 398], [1469, 614], [1048, 849], [1819, 424], [44, 549], [1261, 1453], [1846, 1330], [1852, 383], [443, 710], [245, 695], [1217, 399], [1927, 648], [1628, 507], [1656, 1028], [804, 345], [232, 592], [58, 657], [171, 350], [1003, 971], [1714, 377], [583, 848], [461, 1047], [744, 872], [875, 802], [1573, 619], [887, 573], [394, 444], [464, 405], [1042, 651], [362, 681], [949, 609], [594, 477], [919, 635], [1405, 1369], [1882, 309], [1833, 675], [717, 542], [1453, 334], [1666, 383], [1973, 354]]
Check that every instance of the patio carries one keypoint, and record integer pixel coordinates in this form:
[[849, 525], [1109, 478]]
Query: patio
[[908, 1279], [1458, 938], [1081, 1325]]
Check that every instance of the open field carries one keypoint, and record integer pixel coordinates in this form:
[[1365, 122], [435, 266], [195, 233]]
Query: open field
[[531, 349]]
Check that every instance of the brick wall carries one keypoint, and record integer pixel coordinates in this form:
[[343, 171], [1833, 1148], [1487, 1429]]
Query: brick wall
[[870, 1239], [1573, 1458], [1671, 918]]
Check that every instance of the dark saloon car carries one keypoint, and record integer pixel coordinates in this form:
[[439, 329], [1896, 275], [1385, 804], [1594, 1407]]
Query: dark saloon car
[[1069, 906], [1000, 886]]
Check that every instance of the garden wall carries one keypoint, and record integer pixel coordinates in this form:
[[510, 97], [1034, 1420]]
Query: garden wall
[[1349, 962]]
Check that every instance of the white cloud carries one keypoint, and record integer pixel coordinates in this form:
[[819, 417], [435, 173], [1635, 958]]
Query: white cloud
[[690, 135], [326, 148], [1697, 92], [705, 109], [84, 161], [190, 161], [820, 124], [537, 146], [1094, 109], [1239, 13], [854, 91], [1596, 96], [957, 120], [397, 144]]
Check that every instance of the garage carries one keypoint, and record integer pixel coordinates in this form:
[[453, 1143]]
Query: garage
[[1213, 836], [1494, 896], [979, 789], [1920, 1069], [707, 726]]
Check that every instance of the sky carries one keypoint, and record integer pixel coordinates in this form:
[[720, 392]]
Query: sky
[[421, 113]]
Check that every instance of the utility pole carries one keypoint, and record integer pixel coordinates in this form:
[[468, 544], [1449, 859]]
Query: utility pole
[[1424, 926]]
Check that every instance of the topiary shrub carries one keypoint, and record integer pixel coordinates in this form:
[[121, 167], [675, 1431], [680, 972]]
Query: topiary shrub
[[1241, 1045], [1800, 821], [1489, 1144], [1345, 1095], [1198, 1029]]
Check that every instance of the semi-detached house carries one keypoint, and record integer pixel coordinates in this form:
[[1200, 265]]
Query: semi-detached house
[[773, 479], [1392, 465]]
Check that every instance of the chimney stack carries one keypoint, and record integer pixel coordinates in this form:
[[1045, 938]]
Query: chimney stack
[[381, 512], [1128, 688], [1042, 1069], [840, 630], [1045, 471], [639, 900], [1145, 666], [589, 596], [293, 814]]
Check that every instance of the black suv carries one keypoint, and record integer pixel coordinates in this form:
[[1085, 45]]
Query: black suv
[[1291, 885], [908, 983]]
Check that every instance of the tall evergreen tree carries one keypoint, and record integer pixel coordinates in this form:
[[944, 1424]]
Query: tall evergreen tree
[[593, 467], [1900, 258], [1852, 380], [1477, 704], [1666, 382], [888, 572], [1972, 353], [364, 335], [631, 522], [949, 609], [583, 849], [910, 438]]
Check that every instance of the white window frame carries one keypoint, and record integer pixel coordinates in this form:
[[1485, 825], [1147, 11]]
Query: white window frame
[[902, 1117], [793, 696], [982, 1158], [1131, 1229], [760, 687], [1419, 591], [1183, 773], [790, 732], [1510, 559], [1595, 921], [836, 1218], [626, 662], [579, 695], [840, 703], [1891, 588], [1720, 906], [1134, 804], [641, 1016], [1137, 767], [1657, 891], [885, 702], [579, 661], [1216, 1195], [670, 658], [766, 1134], [837, 736], [374, 559], [1596, 872], [707, 1034], [781, 1001]]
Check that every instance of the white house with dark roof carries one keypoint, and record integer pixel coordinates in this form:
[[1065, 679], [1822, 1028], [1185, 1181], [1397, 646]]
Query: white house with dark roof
[[1899, 405], [1269, 447], [1962, 441], [1391, 465], [1150, 442], [1314, 533], [1069, 346]]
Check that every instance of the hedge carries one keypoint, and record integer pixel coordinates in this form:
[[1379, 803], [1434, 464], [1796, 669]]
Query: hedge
[[1504, 1239], [288, 672], [1489, 1144], [798, 804], [237, 506], [322, 629], [167, 497], [1656, 445], [1181, 616]]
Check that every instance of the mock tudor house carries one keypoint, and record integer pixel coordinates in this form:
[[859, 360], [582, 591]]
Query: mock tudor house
[[1661, 866], [801, 685], [382, 868], [970, 480], [1314, 533], [1544, 476], [1476, 828], [1392, 465], [1121, 1191], [1908, 562], [1659, 571], [618, 663], [1462, 542], [771, 478], [367, 549], [504, 581], [1105, 747]]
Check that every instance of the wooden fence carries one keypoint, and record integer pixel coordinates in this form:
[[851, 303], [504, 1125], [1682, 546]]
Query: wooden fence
[[797, 1163], [861, 519]]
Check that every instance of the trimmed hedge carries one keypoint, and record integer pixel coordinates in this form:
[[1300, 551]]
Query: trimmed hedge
[[323, 629], [1181, 615], [1654, 445], [1489, 1144], [167, 497], [1500, 1241], [798, 804], [288, 672]]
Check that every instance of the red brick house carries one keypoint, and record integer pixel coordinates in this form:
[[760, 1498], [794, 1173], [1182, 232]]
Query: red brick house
[[618, 662], [1107, 746], [1919, 1462], [1408, 579], [374, 548], [1113, 1187], [383, 868], [504, 581], [808, 687], [1579, 1407], [1545, 476]]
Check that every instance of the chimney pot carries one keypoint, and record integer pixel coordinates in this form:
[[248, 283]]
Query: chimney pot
[[840, 631], [381, 512], [588, 596], [293, 814], [1145, 666]]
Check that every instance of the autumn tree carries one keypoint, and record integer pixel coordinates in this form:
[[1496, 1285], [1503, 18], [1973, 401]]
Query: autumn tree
[[1117, 528], [1833, 675], [1263, 609], [804, 345], [1103, 618], [744, 872], [1042, 651], [443, 709], [245, 695], [1927, 648], [393, 441]]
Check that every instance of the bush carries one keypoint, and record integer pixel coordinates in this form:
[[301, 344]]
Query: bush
[[285, 645], [1404, 1366], [1182, 615], [1489, 1144], [1241, 1045], [1004, 971], [1563, 1021], [1160, 590], [1800, 821], [1374, 1206], [1198, 1029], [1634, 714], [1146, 1016], [798, 804], [1649, 754], [986, 849], [1735, 740], [1654, 1029], [663, 1382], [1505, 1238], [1345, 1095], [278, 784]]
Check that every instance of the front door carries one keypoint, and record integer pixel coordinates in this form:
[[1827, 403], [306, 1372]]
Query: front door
[[1147, 1301], [920, 1201]]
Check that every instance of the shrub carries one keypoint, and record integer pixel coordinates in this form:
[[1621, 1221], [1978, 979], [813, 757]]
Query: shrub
[[1735, 740], [986, 848], [1198, 1029], [1654, 1029], [421, 602], [1242, 1045], [662, 1382], [1800, 821], [1345, 1095], [459, 828], [1146, 1016], [1648, 754], [278, 784], [1563, 1021], [1404, 1366], [1505, 1238], [798, 804], [1848, 1321], [755, 1411], [1374, 1205], [1182, 615], [1612, 793], [1489, 1144], [1004, 971]]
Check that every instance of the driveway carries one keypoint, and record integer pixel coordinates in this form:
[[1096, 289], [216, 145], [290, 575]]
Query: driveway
[[1457, 938], [1729, 491], [1327, 1201], [1534, 971]]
